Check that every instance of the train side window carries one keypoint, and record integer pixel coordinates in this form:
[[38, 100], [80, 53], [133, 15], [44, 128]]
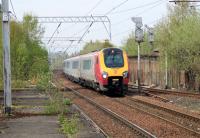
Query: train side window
[[68, 64], [75, 64], [86, 64]]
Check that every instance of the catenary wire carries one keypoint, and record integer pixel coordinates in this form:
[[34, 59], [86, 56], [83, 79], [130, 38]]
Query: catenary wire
[[138, 7], [13, 9]]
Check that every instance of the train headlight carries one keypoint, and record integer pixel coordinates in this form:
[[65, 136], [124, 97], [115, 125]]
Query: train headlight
[[125, 74], [104, 75]]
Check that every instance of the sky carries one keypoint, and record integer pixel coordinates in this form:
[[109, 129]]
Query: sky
[[118, 11]]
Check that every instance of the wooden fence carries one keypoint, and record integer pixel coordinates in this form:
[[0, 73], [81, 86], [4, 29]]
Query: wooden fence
[[152, 74]]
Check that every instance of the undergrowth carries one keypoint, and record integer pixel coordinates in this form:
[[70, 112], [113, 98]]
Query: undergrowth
[[68, 126]]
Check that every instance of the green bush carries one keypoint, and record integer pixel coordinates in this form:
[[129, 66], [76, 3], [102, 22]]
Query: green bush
[[56, 104], [69, 126], [67, 101], [19, 84], [43, 81]]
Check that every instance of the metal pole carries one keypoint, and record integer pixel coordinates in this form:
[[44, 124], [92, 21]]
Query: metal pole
[[139, 86], [6, 57], [166, 69]]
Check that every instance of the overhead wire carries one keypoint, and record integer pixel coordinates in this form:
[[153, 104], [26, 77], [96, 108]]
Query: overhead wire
[[13, 9], [145, 10], [155, 4], [114, 8], [117, 34], [54, 33], [138, 7], [87, 26], [95, 6]]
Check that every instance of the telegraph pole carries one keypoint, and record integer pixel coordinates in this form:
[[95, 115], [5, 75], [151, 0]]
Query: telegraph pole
[[6, 56], [139, 36]]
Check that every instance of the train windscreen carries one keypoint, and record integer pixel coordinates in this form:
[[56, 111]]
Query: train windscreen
[[113, 58]]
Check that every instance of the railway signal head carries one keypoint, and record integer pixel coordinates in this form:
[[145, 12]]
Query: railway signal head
[[151, 35], [139, 35]]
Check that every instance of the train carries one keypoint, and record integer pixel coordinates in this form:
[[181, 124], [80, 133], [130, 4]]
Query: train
[[104, 70]]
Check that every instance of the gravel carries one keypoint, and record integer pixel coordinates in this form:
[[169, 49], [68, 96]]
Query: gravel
[[188, 103], [155, 126], [109, 125]]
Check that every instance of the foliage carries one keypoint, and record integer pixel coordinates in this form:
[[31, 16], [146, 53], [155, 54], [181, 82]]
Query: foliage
[[67, 101], [56, 104], [68, 126], [177, 35], [28, 58], [43, 81], [92, 46], [19, 84], [131, 46]]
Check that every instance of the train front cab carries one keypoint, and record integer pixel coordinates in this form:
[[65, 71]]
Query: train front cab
[[114, 77]]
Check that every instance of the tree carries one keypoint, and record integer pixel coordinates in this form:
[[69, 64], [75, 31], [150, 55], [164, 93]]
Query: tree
[[28, 58], [178, 36], [130, 46], [92, 46]]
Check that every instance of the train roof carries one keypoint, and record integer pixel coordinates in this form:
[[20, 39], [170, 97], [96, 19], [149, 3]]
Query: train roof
[[91, 53]]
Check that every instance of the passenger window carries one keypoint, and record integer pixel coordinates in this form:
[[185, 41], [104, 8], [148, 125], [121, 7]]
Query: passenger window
[[86, 64]]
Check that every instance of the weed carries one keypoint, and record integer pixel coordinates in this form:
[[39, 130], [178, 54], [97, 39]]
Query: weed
[[56, 103], [68, 126], [67, 101], [43, 81]]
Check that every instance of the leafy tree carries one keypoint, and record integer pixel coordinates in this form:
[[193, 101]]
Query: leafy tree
[[178, 36], [92, 46], [28, 59], [131, 46]]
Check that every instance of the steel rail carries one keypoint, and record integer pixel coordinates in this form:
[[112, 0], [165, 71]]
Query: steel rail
[[167, 109], [154, 95], [166, 91], [195, 119], [195, 95], [136, 128], [164, 119], [90, 121]]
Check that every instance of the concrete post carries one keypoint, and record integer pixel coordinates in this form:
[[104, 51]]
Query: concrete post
[[6, 56]]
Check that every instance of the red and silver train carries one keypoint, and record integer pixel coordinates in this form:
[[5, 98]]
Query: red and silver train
[[103, 70]]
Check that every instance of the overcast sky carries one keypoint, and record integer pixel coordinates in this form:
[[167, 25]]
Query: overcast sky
[[150, 10]]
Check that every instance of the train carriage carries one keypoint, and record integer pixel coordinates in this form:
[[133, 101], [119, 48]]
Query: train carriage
[[72, 68], [102, 70]]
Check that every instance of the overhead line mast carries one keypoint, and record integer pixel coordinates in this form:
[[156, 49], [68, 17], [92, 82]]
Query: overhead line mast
[[6, 56]]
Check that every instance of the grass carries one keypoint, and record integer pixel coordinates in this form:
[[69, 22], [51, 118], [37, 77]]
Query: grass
[[16, 84], [67, 101], [69, 127], [57, 104]]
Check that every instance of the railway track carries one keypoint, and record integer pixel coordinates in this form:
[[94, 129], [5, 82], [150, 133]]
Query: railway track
[[140, 131], [160, 98], [187, 122], [153, 91], [190, 132]]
